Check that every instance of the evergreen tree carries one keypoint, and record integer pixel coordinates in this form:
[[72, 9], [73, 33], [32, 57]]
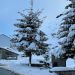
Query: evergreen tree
[[66, 33], [29, 38]]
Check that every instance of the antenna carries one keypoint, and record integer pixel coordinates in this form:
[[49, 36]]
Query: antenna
[[31, 3]]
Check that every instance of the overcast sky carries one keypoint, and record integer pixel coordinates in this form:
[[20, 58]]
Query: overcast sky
[[9, 9]]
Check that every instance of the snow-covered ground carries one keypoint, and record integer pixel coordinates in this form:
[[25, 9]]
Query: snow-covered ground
[[20, 66], [55, 69], [70, 63]]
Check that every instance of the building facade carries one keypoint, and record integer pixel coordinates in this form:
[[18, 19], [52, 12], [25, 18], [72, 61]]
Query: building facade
[[8, 54]]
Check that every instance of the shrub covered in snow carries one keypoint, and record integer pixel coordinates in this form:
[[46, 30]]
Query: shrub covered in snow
[[29, 38], [67, 31]]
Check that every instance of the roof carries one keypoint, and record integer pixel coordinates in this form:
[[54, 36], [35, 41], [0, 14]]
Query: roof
[[11, 50], [4, 41]]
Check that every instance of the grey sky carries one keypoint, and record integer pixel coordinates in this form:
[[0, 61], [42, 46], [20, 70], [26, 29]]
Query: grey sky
[[9, 9]]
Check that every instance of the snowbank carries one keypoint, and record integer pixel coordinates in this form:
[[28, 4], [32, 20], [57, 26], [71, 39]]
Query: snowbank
[[61, 69], [21, 68], [70, 63]]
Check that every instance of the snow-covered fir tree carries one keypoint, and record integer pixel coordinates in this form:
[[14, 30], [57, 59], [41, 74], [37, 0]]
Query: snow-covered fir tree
[[66, 33], [29, 38]]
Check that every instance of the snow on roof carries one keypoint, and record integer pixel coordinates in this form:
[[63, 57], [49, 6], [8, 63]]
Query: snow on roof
[[54, 69], [4, 40], [3, 35], [11, 50]]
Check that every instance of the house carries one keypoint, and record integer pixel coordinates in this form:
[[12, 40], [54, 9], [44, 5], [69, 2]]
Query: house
[[7, 53]]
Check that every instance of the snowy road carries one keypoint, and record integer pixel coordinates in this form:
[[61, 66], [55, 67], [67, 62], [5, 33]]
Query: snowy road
[[23, 69]]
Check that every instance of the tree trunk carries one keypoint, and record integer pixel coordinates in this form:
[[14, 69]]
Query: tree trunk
[[30, 58]]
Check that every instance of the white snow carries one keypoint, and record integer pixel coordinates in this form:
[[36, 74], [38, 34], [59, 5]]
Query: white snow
[[24, 42], [63, 40], [71, 13], [28, 28], [74, 42], [40, 57], [37, 37], [32, 46], [56, 51], [71, 33], [21, 67], [53, 73], [72, 27], [35, 59], [4, 41], [62, 34], [65, 26], [70, 63], [54, 69]]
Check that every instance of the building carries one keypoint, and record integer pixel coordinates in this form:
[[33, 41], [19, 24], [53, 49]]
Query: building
[[6, 52]]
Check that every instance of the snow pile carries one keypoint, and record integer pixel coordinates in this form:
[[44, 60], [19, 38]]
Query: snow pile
[[70, 63], [35, 59], [61, 69]]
